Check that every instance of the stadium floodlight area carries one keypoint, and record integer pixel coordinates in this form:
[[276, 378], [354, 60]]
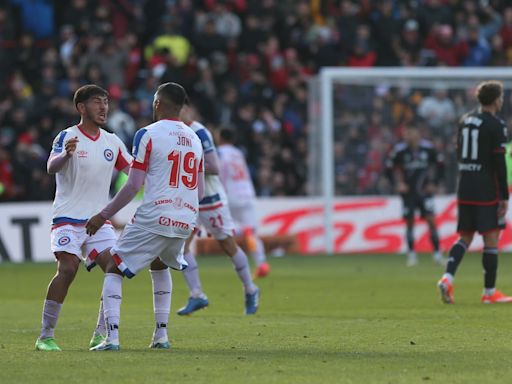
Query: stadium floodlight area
[[358, 113]]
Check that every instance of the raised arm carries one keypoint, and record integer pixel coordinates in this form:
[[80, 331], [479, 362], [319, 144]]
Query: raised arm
[[59, 157]]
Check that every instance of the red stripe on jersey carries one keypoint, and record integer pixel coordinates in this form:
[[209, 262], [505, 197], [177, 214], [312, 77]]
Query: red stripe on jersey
[[144, 165], [211, 207], [121, 162], [74, 224], [468, 202], [93, 138]]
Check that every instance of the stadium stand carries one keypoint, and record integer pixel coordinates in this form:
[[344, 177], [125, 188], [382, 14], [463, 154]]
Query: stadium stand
[[245, 63]]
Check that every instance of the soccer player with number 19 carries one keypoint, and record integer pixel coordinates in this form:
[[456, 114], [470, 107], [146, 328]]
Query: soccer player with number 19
[[482, 190]]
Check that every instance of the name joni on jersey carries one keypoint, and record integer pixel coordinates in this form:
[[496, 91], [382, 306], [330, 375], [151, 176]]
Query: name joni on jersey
[[184, 141]]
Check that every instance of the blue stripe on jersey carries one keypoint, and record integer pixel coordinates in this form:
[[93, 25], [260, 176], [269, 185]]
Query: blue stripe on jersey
[[136, 141], [58, 220], [206, 142], [210, 199], [58, 148]]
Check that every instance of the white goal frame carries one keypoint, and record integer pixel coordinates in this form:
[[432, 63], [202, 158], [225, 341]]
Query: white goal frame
[[330, 75]]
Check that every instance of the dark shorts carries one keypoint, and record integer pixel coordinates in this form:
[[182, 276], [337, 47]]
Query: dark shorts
[[411, 203], [479, 218]]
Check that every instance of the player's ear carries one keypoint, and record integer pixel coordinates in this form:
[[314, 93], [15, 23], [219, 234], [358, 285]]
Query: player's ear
[[80, 108]]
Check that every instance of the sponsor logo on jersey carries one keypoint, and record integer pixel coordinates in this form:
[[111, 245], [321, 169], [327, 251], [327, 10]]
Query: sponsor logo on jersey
[[168, 222], [109, 155], [64, 240], [82, 154], [178, 203]]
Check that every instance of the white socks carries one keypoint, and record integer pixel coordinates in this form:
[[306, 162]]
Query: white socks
[[112, 296], [191, 274], [100, 326], [162, 289], [241, 265], [448, 276], [51, 311], [259, 256]]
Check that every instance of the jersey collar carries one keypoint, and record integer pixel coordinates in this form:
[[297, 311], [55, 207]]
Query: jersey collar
[[93, 138]]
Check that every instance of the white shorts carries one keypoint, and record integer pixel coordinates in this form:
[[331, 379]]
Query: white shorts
[[73, 239], [244, 216], [217, 222], [137, 248]]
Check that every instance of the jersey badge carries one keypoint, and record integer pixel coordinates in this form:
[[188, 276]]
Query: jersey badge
[[109, 155], [64, 240]]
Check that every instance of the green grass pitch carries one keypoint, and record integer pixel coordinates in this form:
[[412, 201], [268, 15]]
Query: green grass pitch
[[342, 319]]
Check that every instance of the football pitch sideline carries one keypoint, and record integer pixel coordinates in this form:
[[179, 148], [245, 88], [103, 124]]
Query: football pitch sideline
[[342, 319]]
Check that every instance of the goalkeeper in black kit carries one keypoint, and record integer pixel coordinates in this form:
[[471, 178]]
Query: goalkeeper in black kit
[[415, 169], [482, 190]]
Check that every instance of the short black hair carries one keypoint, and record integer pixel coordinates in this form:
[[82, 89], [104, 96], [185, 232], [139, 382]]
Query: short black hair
[[488, 92], [85, 92], [228, 135], [173, 93]]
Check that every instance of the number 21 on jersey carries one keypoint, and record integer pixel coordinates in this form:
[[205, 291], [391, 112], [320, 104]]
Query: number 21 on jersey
[[184, 169]]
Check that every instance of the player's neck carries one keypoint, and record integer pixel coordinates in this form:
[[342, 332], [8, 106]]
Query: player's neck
[[490, 109], [89, 127], [169, 117]]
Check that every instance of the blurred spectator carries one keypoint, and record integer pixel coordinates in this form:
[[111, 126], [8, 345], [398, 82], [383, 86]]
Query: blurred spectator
[[246, 64]]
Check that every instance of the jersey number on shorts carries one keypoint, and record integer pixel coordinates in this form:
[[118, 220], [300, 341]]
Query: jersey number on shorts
[[216, 221], [189, 169]]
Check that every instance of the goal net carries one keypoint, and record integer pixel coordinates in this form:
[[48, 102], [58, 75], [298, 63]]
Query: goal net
[[357, 115]]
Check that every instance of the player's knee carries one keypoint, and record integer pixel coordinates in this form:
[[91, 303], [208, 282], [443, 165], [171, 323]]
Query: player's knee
[[67, 271]]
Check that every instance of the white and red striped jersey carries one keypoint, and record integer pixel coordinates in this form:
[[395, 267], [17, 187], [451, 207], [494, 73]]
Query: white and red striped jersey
[[171, 154], [234, 175], [83, 183], [214, 193]]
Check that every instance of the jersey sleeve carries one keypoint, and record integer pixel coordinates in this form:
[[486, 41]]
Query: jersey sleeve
[[206, 140], [500, 139], [123, 158], [58, 142], [141, 149]]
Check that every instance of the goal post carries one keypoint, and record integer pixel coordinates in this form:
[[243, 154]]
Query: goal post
[[324, 125]]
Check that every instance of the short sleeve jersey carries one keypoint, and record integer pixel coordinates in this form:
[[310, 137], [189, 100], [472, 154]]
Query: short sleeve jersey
[[214, 193], [481, 135], [83, 183], [234, 175], [172, 156]]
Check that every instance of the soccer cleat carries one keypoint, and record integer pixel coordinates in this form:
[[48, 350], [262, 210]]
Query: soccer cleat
[[106, 346], [96, 340], [496, 297], [252, 302], [446, 290], [193, 304], [160, 344], [412, 259], [262, 270], [47, 344]]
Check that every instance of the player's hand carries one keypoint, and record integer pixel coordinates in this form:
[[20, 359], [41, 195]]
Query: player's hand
[[70, 146], [502, 208], [94, 223], [402, 187]]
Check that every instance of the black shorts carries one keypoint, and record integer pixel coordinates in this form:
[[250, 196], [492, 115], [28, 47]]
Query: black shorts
[[479, 218], [411, 203]]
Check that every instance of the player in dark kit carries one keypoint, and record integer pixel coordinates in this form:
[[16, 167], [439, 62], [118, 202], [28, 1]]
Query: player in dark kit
[[482, 190], [416, 168]]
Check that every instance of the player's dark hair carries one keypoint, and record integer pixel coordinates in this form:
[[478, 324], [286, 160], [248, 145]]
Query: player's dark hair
[[488, 92], [85, 92], [228, 135], [173, 94]]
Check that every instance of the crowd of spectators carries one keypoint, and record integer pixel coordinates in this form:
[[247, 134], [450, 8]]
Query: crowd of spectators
[[244, 63]]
